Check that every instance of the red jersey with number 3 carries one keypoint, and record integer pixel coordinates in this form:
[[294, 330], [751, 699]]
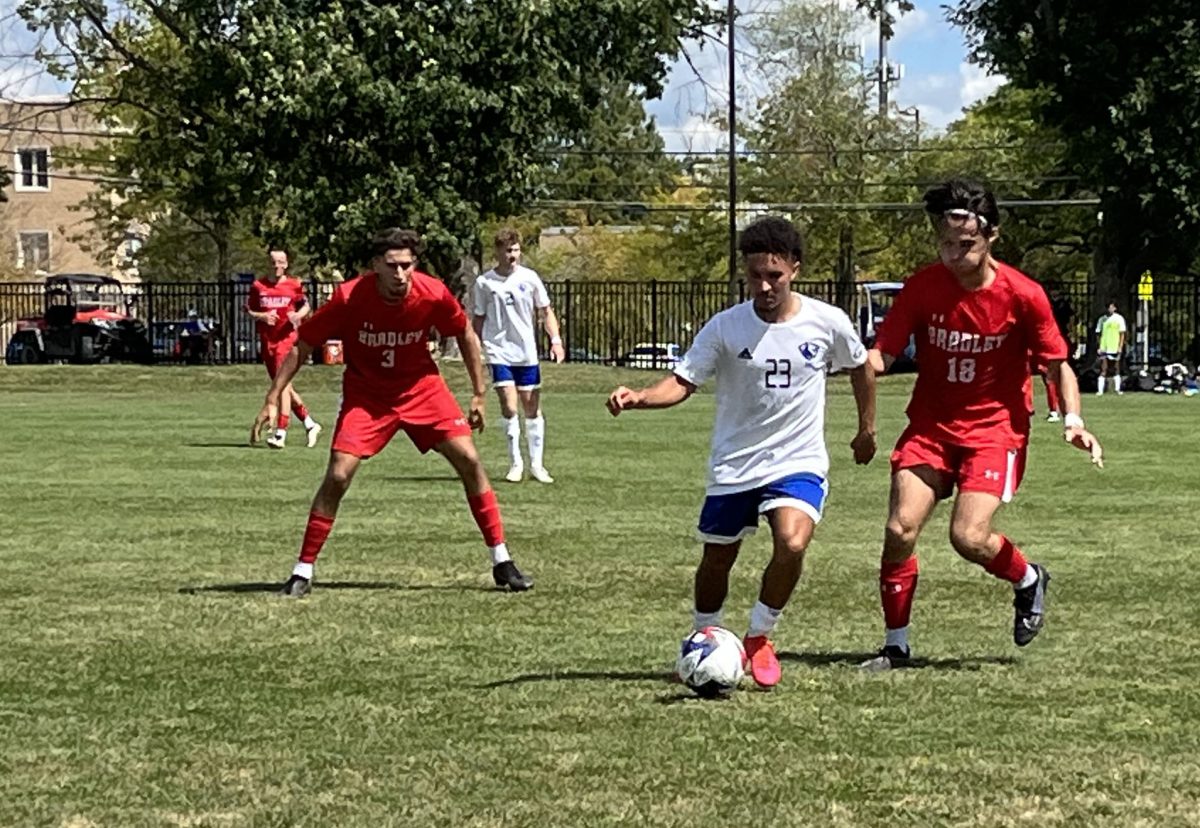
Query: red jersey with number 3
[[385, 346], [974, 349], [287, 294]]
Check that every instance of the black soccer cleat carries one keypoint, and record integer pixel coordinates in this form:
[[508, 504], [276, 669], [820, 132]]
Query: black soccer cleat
[[507, 576], [296, 587], [889, 658], [1030, 608]]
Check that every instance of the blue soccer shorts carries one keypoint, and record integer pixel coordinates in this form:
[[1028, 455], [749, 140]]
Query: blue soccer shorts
[[525, 377], [730, 517]]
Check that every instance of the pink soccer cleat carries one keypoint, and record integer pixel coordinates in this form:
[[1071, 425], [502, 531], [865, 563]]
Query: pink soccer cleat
[[764, 666]]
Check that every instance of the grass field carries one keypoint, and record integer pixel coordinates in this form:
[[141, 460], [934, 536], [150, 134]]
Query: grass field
[[148, 676]]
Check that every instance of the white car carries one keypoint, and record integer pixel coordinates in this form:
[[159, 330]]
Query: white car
[[654, 355]]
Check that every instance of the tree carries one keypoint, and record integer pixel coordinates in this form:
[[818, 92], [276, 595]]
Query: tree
[[323, 120], [820, 140], [1120, 82]]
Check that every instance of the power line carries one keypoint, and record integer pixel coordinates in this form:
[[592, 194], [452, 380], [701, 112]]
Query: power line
[[564, 152], [895, 206]]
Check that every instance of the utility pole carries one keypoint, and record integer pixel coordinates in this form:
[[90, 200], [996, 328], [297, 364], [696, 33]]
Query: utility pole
[[883, 62], [731, 15]]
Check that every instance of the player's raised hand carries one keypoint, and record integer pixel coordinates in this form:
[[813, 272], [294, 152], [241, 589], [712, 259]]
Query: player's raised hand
[[271, 318], [475, 418], [863, 445], [621, 399], [1084, 440], [265, 420]]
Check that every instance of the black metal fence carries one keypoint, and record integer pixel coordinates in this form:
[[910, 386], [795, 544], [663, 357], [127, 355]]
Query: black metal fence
[[640, 323]]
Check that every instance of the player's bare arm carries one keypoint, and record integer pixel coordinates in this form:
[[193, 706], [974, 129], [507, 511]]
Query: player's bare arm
[[472, 353], [880, 362], [550, 324], [862, 380], [299, 315], [267, 417], [1073, 431], [670, 390]]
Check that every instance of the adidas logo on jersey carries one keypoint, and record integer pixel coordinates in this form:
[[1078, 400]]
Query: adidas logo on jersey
[[745, 354]]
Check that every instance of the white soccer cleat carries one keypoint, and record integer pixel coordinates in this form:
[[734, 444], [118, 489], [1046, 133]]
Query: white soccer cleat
[[540, 474], [516, 472], [277, 441], [1052, 417], [313, 433]]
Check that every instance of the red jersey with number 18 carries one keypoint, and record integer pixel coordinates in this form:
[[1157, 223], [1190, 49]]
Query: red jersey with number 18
[[385, 346], [973, 353]]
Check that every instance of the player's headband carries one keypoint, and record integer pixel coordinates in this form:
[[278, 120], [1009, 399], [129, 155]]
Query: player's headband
[[959, 216]]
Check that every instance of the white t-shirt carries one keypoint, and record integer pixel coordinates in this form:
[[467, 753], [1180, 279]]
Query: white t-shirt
[[508, 305], [770, 390]]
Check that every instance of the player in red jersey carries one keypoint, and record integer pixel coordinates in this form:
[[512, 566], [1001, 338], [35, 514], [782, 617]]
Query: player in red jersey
[[978, 324], [391, 384], [278, 306]]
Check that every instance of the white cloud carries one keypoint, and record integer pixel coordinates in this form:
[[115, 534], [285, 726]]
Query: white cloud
[[977, 84], [913, 26], [695, 134]]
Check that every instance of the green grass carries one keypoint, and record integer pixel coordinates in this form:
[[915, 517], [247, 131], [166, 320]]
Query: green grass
[[135, 690]]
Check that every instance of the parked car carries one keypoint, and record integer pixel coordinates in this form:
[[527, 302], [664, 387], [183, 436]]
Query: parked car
[[654, 355], [872, 301], [87, 318]]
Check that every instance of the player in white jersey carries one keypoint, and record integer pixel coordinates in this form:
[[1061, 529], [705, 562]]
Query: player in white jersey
[[769, 356], [507, 302]]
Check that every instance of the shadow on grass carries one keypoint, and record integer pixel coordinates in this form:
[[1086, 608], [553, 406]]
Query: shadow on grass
[[419, 478], [226, 444], [275, 586], [582, 675], [854, 659]]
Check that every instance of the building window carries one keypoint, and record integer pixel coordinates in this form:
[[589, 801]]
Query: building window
[[32, 169], [33, 252]]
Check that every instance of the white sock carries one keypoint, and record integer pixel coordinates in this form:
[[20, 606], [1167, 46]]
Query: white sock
[[897, 638], [1117, 383], [499, 553], [1100, 387], [1028, 579], [762, 619], [512, 430], [700, 620], [304, 570], [535, 435], [309, 422]]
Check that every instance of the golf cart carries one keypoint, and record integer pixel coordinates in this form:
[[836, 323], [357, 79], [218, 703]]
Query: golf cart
[[872, 301], [87, 319]]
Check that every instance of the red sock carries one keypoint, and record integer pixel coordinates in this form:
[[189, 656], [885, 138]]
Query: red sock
[[1052, 400], [486, 512], [283, 420], [300, 411], [1009, 564], [315, 535], [897, 583]]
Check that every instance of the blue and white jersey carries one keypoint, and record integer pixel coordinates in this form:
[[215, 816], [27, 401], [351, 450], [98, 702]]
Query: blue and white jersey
[[770, 390], [509, 305]]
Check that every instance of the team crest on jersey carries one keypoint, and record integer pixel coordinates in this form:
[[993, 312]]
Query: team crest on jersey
[[810, 350], [745, 354]]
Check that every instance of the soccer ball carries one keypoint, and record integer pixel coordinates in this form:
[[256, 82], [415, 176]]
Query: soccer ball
[[710, 662]]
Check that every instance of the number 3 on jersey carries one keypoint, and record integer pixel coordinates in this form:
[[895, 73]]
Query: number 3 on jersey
[[389, 358], [961, 370]]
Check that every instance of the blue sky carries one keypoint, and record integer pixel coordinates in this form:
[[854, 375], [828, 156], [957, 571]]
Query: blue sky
[[938, 80]]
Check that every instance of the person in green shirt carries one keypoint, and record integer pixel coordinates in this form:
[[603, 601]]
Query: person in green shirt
[[1111, 329]]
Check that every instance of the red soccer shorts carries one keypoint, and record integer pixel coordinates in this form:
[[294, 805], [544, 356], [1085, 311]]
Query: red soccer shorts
[[992, 470], [273, 355], [427, 413]]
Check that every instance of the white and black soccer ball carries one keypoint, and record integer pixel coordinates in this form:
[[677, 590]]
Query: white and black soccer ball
[[711, 662]]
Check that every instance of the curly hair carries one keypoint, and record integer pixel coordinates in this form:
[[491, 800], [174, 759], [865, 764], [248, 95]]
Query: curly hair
[[395, 238], [963, 194], [772, 234]]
